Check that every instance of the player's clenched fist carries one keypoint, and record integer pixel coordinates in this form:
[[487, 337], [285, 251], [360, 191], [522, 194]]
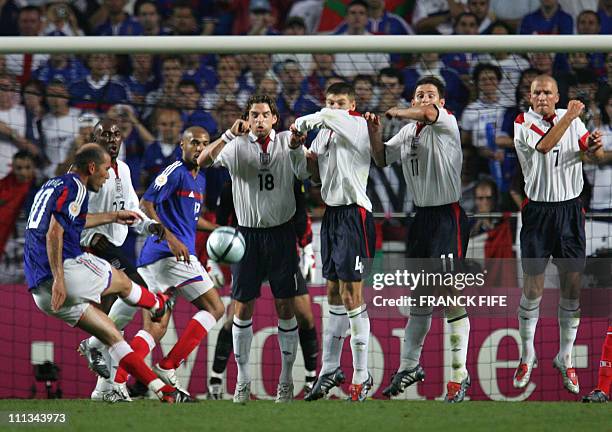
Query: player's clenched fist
[[127, 217], [240, 127], [373, 121], [574, 109]]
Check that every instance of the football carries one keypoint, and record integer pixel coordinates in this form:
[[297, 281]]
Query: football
[[226, 245]]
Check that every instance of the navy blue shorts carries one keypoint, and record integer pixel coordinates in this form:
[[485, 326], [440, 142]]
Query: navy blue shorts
[[553, 229], [438, 231], [271, 253], [347, 237]]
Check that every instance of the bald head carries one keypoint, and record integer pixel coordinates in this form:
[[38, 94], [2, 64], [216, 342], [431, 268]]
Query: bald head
[[193, 141], [544, 95], [87, 153]]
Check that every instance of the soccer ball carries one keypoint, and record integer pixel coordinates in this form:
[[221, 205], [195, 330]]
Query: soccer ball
[[226, 244]]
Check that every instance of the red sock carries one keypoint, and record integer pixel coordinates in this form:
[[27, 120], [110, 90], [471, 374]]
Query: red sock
[[141, 349], [191, 338], [140, 296], [605, 365], [136, 367]]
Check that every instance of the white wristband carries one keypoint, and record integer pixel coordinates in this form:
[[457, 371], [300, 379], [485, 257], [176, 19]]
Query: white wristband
[[228, 136]]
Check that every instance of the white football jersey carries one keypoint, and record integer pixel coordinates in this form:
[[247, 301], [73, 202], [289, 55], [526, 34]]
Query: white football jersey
[[117, 193], [262, 182], [343, 150], [431, 158], [557, 175], [600, 176]]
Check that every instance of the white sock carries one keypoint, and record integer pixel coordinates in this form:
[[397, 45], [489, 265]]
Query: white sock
[[414, 336], [569, 320], [333, 338], [528, 314], [360, 337], [242, 335], [459, 337], [288, 340]]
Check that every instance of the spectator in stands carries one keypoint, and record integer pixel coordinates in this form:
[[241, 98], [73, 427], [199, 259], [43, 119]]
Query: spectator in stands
[[61, 21], [33, 94], [511, 65], [548, 19], [429, 64], [147, 14], [583, 86], [435, 16], [60, 126], [258, 66], [295, 26], [542, 61], [589, 22], [14, 191], [163, 151], [29, 23], [9, 11], [512, 12], [310, 11], [217, 17], [486, 202], [605, 16], [261, 20], [167, 94], [192, 113], [578, 65], [322, 71], [347, 65], [381, 21], [228, 88], [466, 23], [391, 85], [61, 66], [600, 176], [183, 21], [482, 120], [469, 176], [365, 98], [269, 86], [141, 81], [87, 123], [196, 69], [12, 125], [99, 90], [480, 9], [117, 21], [291, 102], [136, 138]]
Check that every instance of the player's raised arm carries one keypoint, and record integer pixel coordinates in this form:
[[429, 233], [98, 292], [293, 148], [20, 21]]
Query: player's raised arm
[[427, 114], [211, 151], [340, 121], [377, 147], [297, 155], [55, 244], [550, 140], [123, 217]]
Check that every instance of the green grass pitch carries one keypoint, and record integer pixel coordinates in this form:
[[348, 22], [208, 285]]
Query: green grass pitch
[[335, 415]]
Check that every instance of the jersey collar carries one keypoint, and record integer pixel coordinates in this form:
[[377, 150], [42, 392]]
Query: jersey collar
[[549, 119], [263, 145]]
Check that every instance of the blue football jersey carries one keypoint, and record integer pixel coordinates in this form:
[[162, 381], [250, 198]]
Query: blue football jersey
[[66, 198], [178, 201]]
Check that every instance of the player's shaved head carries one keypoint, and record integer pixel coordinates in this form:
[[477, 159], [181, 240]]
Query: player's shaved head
[[194, 131], [542, 79], [90, 152]]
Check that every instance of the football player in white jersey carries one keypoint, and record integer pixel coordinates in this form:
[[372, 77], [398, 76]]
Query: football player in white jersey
[[257, 158], [347, 231], [550, 144], [105, 241], [429, 149]]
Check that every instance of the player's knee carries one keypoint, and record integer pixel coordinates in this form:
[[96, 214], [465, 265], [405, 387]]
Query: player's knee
[[217, 310], [284, 308]]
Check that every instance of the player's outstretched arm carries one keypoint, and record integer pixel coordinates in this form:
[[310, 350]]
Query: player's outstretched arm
[[297, 154], [377, 147], [427, 114], [548, 141], [338, 120], [55, 244], [211, 151], [123, 217]]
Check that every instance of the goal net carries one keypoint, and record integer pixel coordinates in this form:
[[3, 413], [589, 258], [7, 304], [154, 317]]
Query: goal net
[[54, 90]]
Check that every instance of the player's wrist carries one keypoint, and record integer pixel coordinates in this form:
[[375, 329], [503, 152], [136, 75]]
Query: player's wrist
[[228, 136]]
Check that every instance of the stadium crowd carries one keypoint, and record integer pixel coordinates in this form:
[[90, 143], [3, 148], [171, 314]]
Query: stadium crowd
[[49, 104]]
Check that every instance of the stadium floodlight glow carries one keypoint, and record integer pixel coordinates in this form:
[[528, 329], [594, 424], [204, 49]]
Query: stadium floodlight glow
[[305, 44]]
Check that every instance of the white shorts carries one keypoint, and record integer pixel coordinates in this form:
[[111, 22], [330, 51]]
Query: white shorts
[[190, 280], [85, 278]]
